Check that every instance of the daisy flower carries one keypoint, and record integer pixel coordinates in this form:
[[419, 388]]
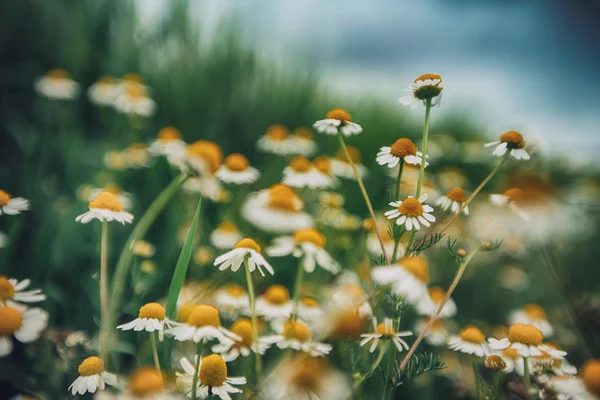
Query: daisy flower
[[514, 198], [103, 91], [225, 236], [276, 210], [408, 278], [274, 303], [134, 100], [430, 303], [402, 150], [25, 324], [513, 142], [57, 85], [338, 120], [202, 325], [303, 142], [137, 155], [276, 141], [245, 249], [207, 185], [470, 340], [13, 292], [352, 295], [411, 212], [302, 173], [297, 335], [169, 143], [105, 207], [590, 375], [453, 201], [309, 244], [341, 167], [203, 157], [231, 300], [495, 363], [556, 365], [532, 314], [92, 377], [437, 335], [146, 383], [12, 205], [343, 322], [212, 378], [237, 170], [425, 87], [242, 328], [527, 340], [372, 241], [513, 361], [310, 310], [123, 197], [151, 318], [142, 248], [382, 331], [571, 388]]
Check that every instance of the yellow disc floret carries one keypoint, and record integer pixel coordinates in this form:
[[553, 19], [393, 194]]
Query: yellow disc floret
[[339, 114], [106, 201], [457, 194], [425, 92], [247, 243], [58, 74], [282, 197], [243, 328], [513, 139], [208, 151], [525, 334], [472, 334], [234, 290], [310, 235], [437, 294], [427, 76], [146, 381], [403, 147], [355, 155], [4, 198], [511, 353], [417, 266], [495, 363], [347, 324], [297, 330], [213, 371], [385, 329], [303, 133], [204, 315], [227, 226], [323, 164], [7, 290], [183, 313], [169, 134], [91, 366], [309, 302], [152, 310], [277, 132], [411, 207], [10, 320], [590, 374], [236, 162], [534, 311], [306, 374], [300, 164], [277, 294]]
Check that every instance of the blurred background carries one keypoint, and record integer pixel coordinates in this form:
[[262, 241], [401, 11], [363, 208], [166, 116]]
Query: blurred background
[[226, 70]]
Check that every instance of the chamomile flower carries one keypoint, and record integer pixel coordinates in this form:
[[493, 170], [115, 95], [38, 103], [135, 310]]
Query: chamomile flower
[[203, 157], [513, 142], [25, 324], [92, 377], [403, 149], [151, 318], [12, 292], [570, 388], [105, 207], [411, 213], [103, 91], [437, 335], [212, 378], [231, 300], [245, 249], [527, 340], [344, 321], [590, 375], [303, 142], [146, 383], [338, 120], [372, 241], [137, 156], [57, 85], [207, 185], [341, 167], [353, 296], [12, 205], [426, 87], [225, 236], [297, 335], [532, 314], [513, 198], [408, 278], [470, 340], [237, 170], [310, 310], [430, 303], [453, 201], [302, 173], [134, 99], [169, 143], [242, 328], [203, 324], [309, 244], [549, 362], [142, 248], [274, 303], [513, 361], [276, 141], [122, 197], [382, 331]]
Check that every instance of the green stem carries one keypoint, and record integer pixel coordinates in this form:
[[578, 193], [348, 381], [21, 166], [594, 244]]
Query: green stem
[[527, 376], [103, 346], [252, 298], [390, 370], [424, 147], [155, 350], [496, 391], [297, 290], [197, 368], [476, 377], [380, 355], [399, 179]]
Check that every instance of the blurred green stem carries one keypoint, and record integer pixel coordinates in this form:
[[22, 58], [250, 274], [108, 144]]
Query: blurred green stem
[[365, 195], [475, 377], [382, 349], [252, 298], [155, 350], [424, 147], [527, 376], [390, 370], [102, 336], [297, 289], [496, 391], [397, 193], [197, 368]]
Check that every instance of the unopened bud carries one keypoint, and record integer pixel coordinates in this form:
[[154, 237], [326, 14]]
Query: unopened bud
[[495, 363]]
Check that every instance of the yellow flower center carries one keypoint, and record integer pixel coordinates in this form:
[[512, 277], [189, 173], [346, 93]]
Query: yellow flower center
[[303, 133], [310, 235], [437, 294], [236, 162], [424, 77], [169, 134], [152, 310], [113, 188], [282, 197], [7, 290], [411, 207], [495, 362], [243, 328], [183, 313], [308, 302], [297, 330], [227, 226], [107, 201], [300, 164], [355, 155], [403, 147], [91, 366], [234, 290], [136, 91], [534, 311], [525, 334], [354, 291], [339, 114], [472, 334], [146, 381], [133, 78], [418, 267], [511, 353], [307, 374], [107, 80], [208, 151], [437, 325], [10, 320], [213, 371], [348, 324], [384, 330], [514, 194], [457, 194], [204, 315], [429, 91], [590, 374], [323, 164], [277, 294], [247, 243], [514, 139], [58, 74], [277, 132], [4, 198]]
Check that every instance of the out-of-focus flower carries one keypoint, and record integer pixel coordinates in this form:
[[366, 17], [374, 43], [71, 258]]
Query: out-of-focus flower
[[203, 157], [135, 100], [470, 341], [302, 173], [590, 375], [151, 318], [372, 242], [430, 303], [104, 91], [352, 296], [106, 207], [425, 87], [202, 325], [411, 212], [513, 361], [204, 255], [410, 178], [145, 383], [532, 314], [244, 250], [338, 120], [115, 160], [212, 378], [25, 324], [92, 377], [123, 197], [343, 323], [453, 201], [137, 155], [274, 303], [148, 266], [570, 388], [527, 340], [385, 330], [169, 143], [297, 335], [303, 142], [4, 240], [143, 248], [208, 186], [12, 205], [549, 362], [225, 236], [237, 170], [451, 177], [401, 150], [340, 165], [310, 310], [408, 278], [242, 328], [276, 141], [513, 142], [57, 85], [437, 335], [12, 292], [231, 300]]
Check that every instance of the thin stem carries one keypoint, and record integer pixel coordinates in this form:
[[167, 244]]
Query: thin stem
[[526, 375], [257, 358], [365, 195], [476, 377], [496, 391], [197, 368], [103, 346], [389, 370], [297, 290], [380, 355], [424, 147], [155, 350], [397, 193]]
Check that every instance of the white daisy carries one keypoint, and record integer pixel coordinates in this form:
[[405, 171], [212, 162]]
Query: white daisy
[[302, 173], [297, 335], [570, 388], [513, 360], [225, 236], [309, 244], [134, 100], [408, 278], [274, 303], [13, 292], [145, 383], [57, 85], [337, 120], [203, 158], [453, 201], [207, 185], [92, 377], [231, 300], [549, 362], [303, 142], [514, 199], [511, 141], [527, 340], [411, 212], [237, 170], [430, 303], [137, 156], [424, 87], [310, 310], [12, 205], [276, 141], [341, 167], [532, 314], [372, 240], [122, 197], [436, 335], [352, 296], [402, 149], [105, 207], [202, 325], [104, 91], [151, 318], [385, 330], [212, 378], [470, 341], [245, 249], [169, 143], [242, 328], [25, 324]]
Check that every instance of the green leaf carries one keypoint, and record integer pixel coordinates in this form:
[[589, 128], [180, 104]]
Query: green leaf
[[418, 365]]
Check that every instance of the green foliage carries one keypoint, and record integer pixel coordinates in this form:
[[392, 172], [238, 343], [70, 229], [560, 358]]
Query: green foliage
[[418, 365]]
